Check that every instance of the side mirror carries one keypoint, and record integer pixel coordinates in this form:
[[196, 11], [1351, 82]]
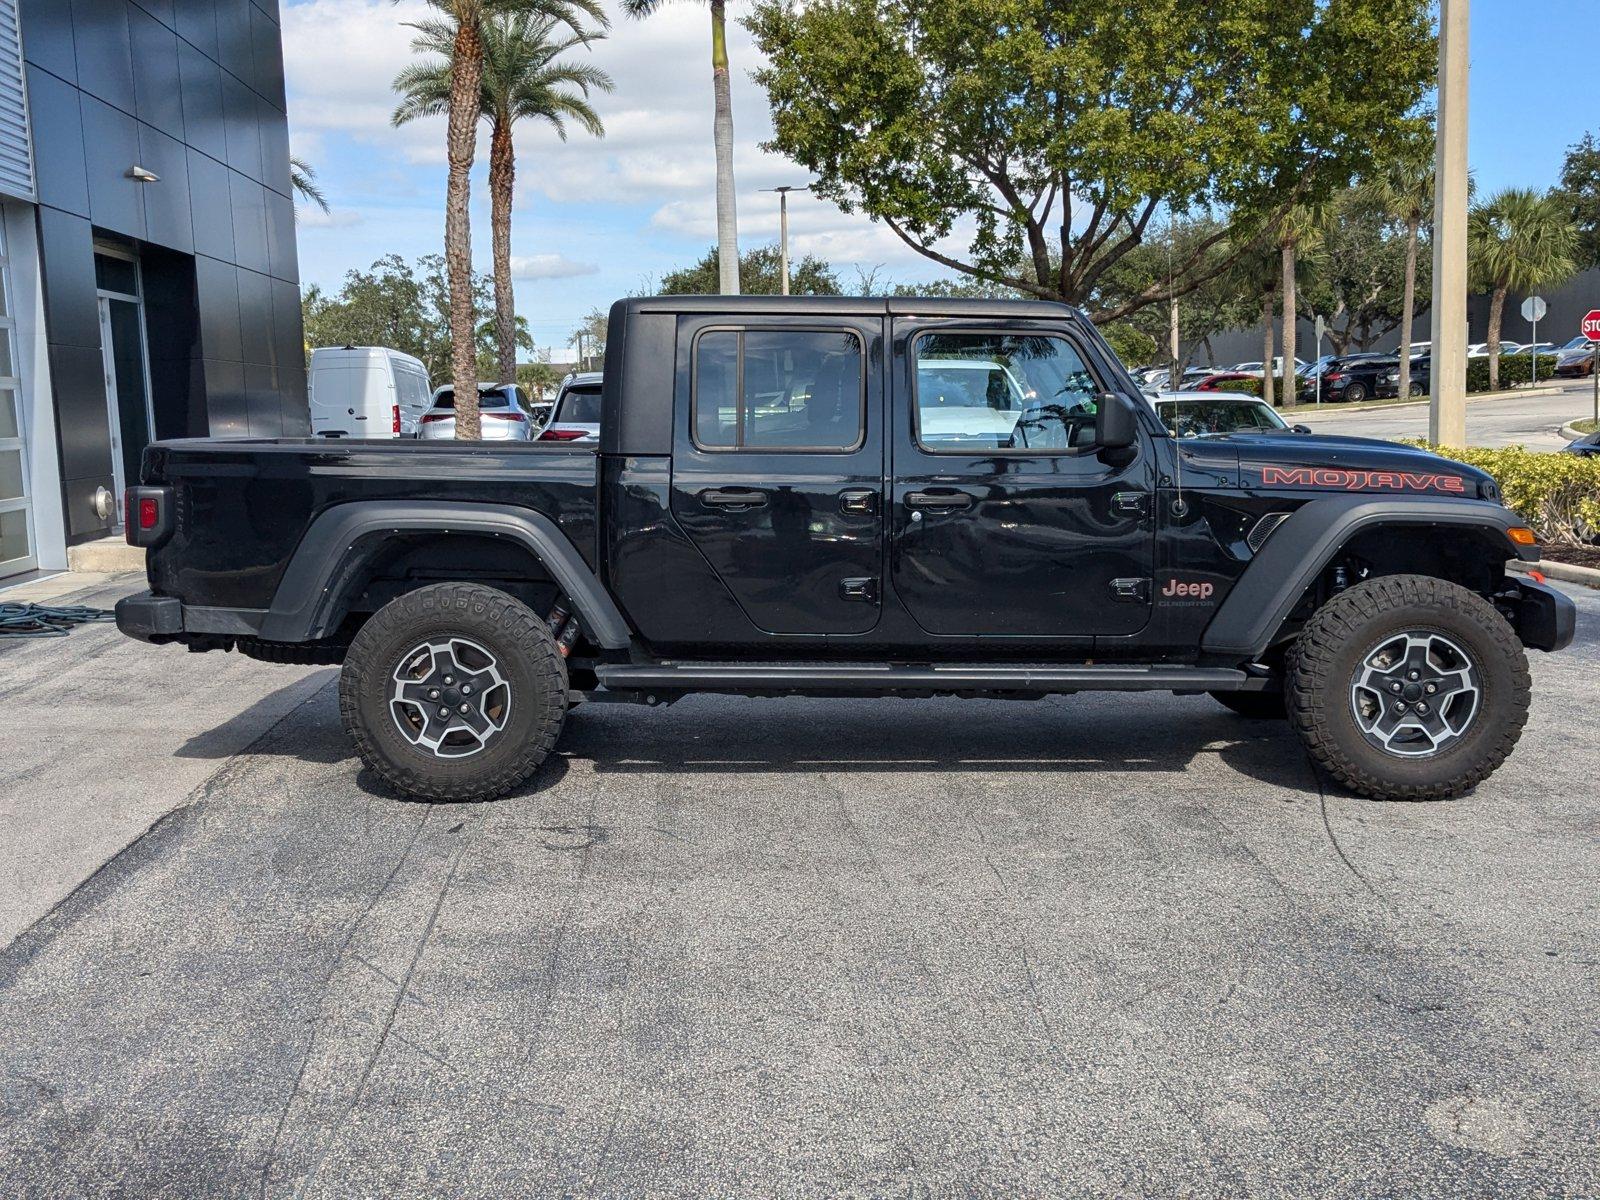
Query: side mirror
[[1115, 426], [1300, 429]]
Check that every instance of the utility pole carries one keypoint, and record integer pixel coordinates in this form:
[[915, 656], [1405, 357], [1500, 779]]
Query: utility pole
[[783, 231], [1447, 415]]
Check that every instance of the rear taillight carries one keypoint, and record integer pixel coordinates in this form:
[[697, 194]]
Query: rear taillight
[[503, 416], [561, 435], [148, 520], [1332, 378], [396, 418], [430, 418]]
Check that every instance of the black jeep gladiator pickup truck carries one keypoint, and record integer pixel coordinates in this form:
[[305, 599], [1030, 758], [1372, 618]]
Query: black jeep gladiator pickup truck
[[846, 497]]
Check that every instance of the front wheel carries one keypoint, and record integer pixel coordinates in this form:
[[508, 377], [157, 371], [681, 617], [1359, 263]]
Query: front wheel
[[454, 692], [1407, 687], [1418, 389]]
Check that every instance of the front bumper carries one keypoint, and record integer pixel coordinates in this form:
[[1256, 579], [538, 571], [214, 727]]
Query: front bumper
[[1545, 618]]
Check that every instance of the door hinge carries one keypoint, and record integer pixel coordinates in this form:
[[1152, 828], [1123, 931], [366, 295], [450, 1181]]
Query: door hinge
[[864, 590], [1130, 591]]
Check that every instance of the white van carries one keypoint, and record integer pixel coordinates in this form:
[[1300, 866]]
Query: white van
[[367, 392]]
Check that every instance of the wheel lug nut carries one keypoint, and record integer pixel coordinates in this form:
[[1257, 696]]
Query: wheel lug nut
[[1394, 687], [464, 708], [1399, 708], [1431, 688], [1422, 708], [1409, 675], [449, 679], [444, 712], [466, 689], [433, 693]]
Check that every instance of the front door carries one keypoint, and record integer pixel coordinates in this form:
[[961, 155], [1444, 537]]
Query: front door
[[1006, 520], [777, 473], [122, 347]]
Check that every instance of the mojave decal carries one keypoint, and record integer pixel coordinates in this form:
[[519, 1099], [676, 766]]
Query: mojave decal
[[1362, 481]]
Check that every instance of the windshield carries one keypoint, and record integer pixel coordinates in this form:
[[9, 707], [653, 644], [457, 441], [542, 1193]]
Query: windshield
[[580, 406], [1211, 418]]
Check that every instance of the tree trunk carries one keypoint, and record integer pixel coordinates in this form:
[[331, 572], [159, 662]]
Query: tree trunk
[[466, 83], [1175, 368], [1266, 357], [1497, 306], [727, 212], [1290, 390], [502, 183], [1407, 304]]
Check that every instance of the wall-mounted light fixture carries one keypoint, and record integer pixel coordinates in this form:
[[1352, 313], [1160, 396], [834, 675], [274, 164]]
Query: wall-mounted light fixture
[[139, 175]]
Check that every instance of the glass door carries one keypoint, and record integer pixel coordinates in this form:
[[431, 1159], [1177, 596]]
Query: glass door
[[17, 550], [122, 343]]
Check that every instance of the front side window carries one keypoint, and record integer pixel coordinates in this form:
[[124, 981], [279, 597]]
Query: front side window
[[770, 389], [995, 391]]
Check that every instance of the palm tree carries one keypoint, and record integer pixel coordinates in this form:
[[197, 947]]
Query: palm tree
[[722, 130], [523, 79], [303, 182], [1520, 240], [1298, 226], [1405, 191], [461, 137]]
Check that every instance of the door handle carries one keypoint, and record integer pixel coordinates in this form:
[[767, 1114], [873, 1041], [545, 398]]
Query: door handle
[[733, 498], [938, 501], [858, 503]]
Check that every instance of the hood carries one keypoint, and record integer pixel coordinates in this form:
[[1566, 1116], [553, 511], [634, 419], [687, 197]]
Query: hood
[[1286, 461]]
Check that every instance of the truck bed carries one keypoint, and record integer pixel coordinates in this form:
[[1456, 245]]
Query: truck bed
[[244, 504]]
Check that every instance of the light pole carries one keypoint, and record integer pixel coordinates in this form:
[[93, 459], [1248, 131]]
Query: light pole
[[1447, 416], [783, 231]]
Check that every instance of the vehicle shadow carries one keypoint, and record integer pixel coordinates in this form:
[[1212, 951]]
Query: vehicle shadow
[[1156, 734]]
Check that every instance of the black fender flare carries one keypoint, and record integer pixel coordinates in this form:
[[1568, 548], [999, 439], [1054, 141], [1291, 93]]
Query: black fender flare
[[342, 539], [1299, 549]]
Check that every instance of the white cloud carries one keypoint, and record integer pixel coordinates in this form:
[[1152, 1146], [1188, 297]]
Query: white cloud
[[309, 216], [549, 266]]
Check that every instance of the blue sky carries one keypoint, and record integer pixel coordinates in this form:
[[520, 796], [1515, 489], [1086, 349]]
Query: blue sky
[[596, 220]]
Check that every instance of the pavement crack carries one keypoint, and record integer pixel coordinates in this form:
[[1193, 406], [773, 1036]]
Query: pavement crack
[[1327, 826]]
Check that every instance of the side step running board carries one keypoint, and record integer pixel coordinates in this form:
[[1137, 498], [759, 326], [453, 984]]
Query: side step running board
[[875, 677]]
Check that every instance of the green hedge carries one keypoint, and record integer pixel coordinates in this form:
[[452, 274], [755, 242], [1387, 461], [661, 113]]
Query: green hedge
[[1245, 387], [1558, 495], [1514, 369]]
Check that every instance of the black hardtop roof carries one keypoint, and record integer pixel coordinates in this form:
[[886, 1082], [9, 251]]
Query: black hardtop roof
[[863, 306]]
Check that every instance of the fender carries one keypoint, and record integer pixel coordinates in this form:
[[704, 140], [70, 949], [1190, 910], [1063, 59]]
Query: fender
[[1303, 545], [342, 539]]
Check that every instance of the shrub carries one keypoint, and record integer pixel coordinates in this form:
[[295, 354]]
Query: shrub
[[1558, 495], [1245, 387], [1131, 345], [1514, 369]]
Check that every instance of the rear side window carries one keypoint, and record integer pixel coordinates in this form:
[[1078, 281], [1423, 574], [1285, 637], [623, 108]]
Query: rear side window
[[771, 389]]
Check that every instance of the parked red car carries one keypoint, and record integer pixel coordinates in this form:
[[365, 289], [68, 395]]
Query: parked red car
[[1213, 383]]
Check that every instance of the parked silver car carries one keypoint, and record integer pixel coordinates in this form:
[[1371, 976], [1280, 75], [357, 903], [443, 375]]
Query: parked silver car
[[504, 415], [576, 415]]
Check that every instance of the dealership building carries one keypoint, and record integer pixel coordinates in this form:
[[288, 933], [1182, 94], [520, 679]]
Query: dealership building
[[148, 277]]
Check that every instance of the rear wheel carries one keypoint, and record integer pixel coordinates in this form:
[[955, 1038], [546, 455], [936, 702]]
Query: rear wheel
[[1355, 393], [1408, 688], [1418, 388], [454, 692]]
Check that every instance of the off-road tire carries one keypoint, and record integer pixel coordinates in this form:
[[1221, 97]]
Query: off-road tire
[[1355, 393], [1258, 706], [526, 655], [1323, 660]]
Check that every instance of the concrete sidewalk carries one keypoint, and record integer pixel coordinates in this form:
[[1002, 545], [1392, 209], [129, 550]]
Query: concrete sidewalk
[[104, 736]]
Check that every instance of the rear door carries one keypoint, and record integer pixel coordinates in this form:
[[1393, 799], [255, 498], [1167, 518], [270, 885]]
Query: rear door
[[777, 473], [1006, 520]]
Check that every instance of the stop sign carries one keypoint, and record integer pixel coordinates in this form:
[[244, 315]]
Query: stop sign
[[1591, 325]]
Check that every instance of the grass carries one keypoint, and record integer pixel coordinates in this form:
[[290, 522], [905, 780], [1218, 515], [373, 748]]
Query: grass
[[1587, 425], [1341, 406]]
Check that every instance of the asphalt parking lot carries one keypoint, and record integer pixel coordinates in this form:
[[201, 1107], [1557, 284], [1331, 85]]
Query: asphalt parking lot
[[1103, 945]]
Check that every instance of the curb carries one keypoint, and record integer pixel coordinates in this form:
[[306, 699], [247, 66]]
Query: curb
[[1583, 576], [1332, 409], [1571, 432]]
